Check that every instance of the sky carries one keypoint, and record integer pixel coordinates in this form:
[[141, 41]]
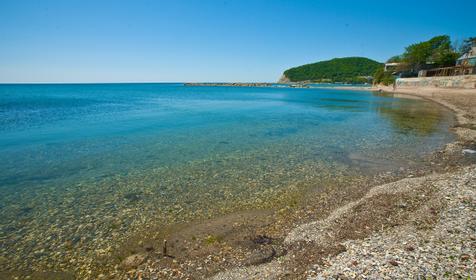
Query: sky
[[208, 40]]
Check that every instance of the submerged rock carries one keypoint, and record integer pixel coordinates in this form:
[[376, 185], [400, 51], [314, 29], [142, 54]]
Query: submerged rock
[[132, 197], [25, 211]]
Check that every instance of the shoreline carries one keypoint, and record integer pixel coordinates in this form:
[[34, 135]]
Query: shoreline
[[311, 241], [394, 251]]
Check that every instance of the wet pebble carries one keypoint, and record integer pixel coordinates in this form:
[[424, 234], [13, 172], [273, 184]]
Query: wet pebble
[[133, 261]]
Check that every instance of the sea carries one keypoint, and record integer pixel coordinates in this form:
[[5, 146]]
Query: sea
[[85, 166]]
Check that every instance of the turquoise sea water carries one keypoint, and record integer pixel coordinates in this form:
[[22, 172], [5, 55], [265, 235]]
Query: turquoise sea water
[[82, 166]]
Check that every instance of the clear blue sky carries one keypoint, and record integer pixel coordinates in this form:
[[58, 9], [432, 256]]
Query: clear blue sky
[[232, 40]]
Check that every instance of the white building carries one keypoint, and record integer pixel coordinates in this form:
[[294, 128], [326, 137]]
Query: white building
[[469, 58]]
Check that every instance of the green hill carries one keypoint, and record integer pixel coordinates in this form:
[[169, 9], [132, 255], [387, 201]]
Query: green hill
[[347, 69]]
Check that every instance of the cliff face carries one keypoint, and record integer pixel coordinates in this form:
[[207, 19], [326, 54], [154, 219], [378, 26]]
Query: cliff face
[[283, 79]]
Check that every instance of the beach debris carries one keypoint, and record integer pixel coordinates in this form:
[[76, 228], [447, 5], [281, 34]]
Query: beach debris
[[469, 151], [164, 251]]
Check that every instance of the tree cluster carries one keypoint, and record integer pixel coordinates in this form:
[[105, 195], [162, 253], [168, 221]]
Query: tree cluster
[[437, 52], [348, 70]]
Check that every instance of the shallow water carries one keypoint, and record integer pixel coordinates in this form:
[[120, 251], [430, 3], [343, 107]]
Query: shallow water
[[84, 166]]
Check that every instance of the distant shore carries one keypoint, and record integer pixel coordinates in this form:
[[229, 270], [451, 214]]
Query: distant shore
[[287, 85], [229, 84], [300, 85]]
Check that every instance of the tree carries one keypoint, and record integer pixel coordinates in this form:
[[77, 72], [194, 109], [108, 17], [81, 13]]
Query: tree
[[395, 59], [445, 58], [416, 55], [383, 77], [437, 51]]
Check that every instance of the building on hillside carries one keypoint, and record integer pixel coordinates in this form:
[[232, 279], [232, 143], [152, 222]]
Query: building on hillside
[[396, 71], [392, 66]]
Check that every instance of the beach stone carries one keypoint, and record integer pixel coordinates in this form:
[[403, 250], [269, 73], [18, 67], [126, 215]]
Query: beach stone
[[261, 255], [402, 205], [262, 239], [393, 262], [148, 247], [410, 248], [465, 257], [133, 261]]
